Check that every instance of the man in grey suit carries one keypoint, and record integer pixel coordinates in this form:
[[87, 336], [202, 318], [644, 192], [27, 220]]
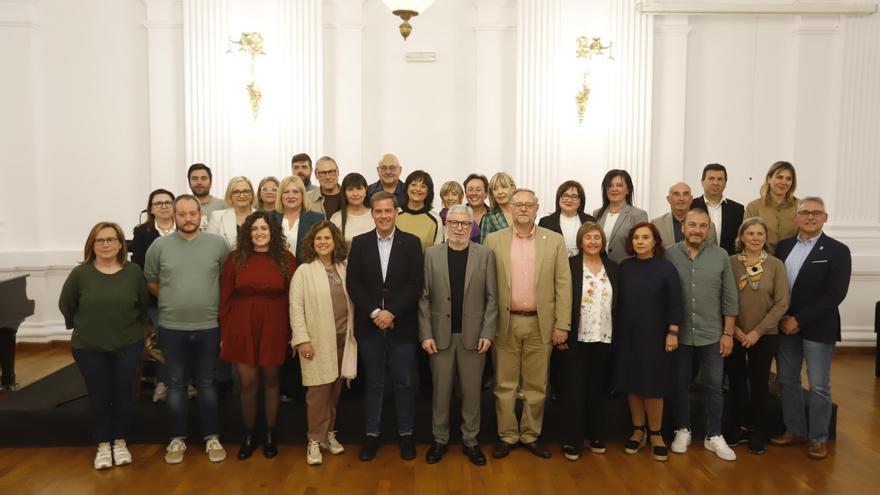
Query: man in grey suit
[[458, 313], [669, 224]]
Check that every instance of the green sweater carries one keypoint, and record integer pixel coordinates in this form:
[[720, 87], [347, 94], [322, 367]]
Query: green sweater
[[106, 312]]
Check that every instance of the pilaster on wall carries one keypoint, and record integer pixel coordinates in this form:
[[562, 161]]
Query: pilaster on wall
[[343, 93], [537, 117], [495, 61]]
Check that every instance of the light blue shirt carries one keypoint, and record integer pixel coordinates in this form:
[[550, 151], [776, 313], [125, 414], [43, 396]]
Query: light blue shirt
[[797, 256], [384, 245]]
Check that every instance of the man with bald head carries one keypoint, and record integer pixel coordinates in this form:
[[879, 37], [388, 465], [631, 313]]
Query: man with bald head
[[389, 170], [669, 224]]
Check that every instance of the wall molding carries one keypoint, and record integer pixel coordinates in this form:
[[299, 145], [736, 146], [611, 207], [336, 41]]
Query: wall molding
[[757, 8]]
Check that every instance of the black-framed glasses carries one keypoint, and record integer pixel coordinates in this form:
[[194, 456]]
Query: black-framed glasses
[[162, 204], [573, 197], [454, 224], [326, 173], [811, 213], [106, 240], [527, 206], [242, 192]]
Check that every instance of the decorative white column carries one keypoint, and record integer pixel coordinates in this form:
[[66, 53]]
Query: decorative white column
[[537, 116], [343, 86], [206, 128], [164, 26], [629, 143], [495, 62], [301, 119]]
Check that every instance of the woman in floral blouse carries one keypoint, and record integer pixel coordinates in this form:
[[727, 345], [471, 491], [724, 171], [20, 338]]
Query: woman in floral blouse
[[585, 354]]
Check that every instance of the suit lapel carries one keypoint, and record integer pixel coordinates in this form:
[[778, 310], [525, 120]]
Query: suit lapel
[[469, 270], [505, 253], [818, 249], [444, 267], [372, 255], [540, 246], [620, 219], [395, 246]]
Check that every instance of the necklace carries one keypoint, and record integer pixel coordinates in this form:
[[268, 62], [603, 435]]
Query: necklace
[[754, 271]]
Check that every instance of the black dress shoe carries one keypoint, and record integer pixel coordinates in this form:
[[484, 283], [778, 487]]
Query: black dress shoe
[[435, 453], [407, 448], [474, 454], [537, 449], [369, 448], [502, 449], [270, 448], [247, 446]]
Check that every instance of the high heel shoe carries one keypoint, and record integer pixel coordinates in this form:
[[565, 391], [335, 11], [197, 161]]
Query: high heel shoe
[[270, 448], [247, 446], [632, 446], [659, 452]]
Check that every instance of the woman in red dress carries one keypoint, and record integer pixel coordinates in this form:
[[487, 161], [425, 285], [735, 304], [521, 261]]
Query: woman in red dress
[[254, 324]]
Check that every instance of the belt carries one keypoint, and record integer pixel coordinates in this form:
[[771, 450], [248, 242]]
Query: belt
[[524, 313]]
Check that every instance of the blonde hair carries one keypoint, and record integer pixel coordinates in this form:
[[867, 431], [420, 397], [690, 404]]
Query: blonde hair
[[501, 179], [452, 187], [260, 205], [298, 183], [235, 180], [790, 199], [89, 249]]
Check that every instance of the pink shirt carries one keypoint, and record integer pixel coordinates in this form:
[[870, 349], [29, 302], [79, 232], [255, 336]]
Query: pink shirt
[[522, 272]]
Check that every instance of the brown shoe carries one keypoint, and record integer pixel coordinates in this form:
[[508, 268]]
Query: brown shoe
[[817, 450], [787, 439]]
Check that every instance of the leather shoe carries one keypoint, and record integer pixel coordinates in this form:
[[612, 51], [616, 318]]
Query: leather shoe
[[474, 454], [407, 448], [369, 448], [270, 448], [537, 449], [502, 449], [817, 450], [435, 453], [247, 446], [787, 439]]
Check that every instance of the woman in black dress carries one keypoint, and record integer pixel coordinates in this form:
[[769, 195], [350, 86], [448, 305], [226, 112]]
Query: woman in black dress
[[646, 333]]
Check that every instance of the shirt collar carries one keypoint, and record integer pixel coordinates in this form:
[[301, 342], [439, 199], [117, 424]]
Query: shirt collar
[[389, 238], [684, 248], [529, 236], [723, 200], [811, 241]]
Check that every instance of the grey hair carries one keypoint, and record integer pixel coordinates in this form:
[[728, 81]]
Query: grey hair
[[463, 209], [815, 199], [748, 222], [524, 190]]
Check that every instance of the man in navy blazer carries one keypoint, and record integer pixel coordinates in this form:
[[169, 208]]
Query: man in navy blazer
[[818, 269], [385, 280]]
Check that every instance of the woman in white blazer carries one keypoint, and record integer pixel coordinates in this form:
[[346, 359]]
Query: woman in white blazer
[[322, 317], [617, 214], [240, 202]]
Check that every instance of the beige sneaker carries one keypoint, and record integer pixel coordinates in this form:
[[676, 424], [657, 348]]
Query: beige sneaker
[[215, 451], [103, 458], [313, 453], [332, 445], [121, 454], [175, 450]]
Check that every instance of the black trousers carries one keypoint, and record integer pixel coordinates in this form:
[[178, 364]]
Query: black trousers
[[585, 391], [7, 355], [749, 374]]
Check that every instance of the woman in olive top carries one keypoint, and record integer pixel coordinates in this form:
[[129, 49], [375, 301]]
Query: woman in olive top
[[416, 216], [777, 204], [105, 300], [763, 300]]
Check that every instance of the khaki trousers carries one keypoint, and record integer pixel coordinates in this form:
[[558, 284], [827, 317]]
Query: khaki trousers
[[321, 401]]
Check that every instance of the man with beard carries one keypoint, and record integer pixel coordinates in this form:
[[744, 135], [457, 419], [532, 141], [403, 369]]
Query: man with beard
[[183, 271], [301, 166], [711, 303], [200, 177]]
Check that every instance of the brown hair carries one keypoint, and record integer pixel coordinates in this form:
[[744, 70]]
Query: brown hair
[[340, 249], [89, 249], [588, 227], [658, 241], [277, 243]]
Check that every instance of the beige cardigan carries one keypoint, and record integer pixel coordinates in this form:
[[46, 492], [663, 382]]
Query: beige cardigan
[[312, 320]]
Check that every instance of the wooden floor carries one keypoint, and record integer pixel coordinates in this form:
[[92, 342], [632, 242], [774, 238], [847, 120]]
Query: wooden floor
[[853, 466]]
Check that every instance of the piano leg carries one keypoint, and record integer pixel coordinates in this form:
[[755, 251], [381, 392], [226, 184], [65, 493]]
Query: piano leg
[[7, 357]]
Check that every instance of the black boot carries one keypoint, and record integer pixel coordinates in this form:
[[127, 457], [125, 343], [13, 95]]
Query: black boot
[[270, 448], [247, 446]]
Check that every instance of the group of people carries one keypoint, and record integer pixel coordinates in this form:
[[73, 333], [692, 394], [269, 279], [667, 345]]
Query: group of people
[[348, 277]]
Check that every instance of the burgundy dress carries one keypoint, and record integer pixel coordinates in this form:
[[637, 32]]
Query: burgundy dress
[[254, 320]]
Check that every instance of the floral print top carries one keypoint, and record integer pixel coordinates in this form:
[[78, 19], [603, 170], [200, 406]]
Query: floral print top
[[595, 324]]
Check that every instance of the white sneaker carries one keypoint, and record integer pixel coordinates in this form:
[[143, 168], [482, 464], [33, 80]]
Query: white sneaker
[[681, 441], [332, 445], [215, 451], [313, 453], [121, 455], [160, 392], [719, 446], [104, 457], [174, 451]]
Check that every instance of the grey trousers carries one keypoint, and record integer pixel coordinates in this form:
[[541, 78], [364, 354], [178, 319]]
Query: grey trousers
[[468, 366]]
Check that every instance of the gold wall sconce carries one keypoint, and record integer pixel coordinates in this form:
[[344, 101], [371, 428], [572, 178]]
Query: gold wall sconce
[[586, 50], [406, 10], [252, 44]]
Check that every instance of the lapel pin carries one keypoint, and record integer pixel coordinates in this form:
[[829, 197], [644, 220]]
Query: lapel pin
[[544, 237], [821, 248]]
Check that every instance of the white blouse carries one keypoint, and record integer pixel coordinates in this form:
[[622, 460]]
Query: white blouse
[[569, 227], [595, 324], [291, 232]]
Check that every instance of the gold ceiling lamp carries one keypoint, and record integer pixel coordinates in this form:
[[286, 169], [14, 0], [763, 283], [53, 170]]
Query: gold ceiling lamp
[[586, 50], [252, 44], [406, 10]]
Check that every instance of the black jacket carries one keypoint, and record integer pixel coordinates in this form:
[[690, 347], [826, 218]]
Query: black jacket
[[731, 218], [576, 263], [551, 221]]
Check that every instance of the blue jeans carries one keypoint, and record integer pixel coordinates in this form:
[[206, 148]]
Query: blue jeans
[[402, 361], [109, 378], [712, 372], [793, 349], [199, 351]]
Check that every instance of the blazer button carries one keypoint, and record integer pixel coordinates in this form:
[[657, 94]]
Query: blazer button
[[448, 299]]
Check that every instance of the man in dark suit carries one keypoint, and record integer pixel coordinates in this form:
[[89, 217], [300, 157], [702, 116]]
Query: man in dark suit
[[458, 314], [819, 270], [384, 281], [726, 214]]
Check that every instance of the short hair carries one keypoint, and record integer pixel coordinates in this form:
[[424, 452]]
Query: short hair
[[777, 167], [589, 227], [815, 199], [696, 211], [301, 157], [381, 196], [480, 177], [748, 222], [462, 209], [451, 186], [340, 248], [260, 205], [424, 178], [89, 249], [658, 241], [150, 222], [717, 167], [298, 183], [606, 183], [199, 166], [501, 179], [327, 158], [235, 180], [187, 197], [565, 186], [524, 190]]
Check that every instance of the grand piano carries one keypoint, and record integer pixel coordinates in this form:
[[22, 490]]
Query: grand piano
[[14, 308]]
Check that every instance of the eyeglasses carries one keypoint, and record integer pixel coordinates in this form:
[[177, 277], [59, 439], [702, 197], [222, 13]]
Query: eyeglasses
[[527, 206], [162, 204], [269, 189], [573, 197], [242, 192], [454, 224], [326, 173], [811, 213], [106, 240], [384, 168]]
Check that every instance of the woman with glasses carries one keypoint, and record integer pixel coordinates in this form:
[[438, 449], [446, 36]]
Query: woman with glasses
[[105, 300], [268, 193], [777, 204], [293, 213], [353, 217], [240, 203], [569, 214]]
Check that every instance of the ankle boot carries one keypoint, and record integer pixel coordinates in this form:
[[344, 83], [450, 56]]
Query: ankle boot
[[270, 448], [247, 446]]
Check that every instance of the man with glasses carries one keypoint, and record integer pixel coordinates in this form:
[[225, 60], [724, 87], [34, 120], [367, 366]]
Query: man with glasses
[[389, 171], [301, 166], [534, 314], [327, 198], [458, 313], [819, 270], [199, 176]]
